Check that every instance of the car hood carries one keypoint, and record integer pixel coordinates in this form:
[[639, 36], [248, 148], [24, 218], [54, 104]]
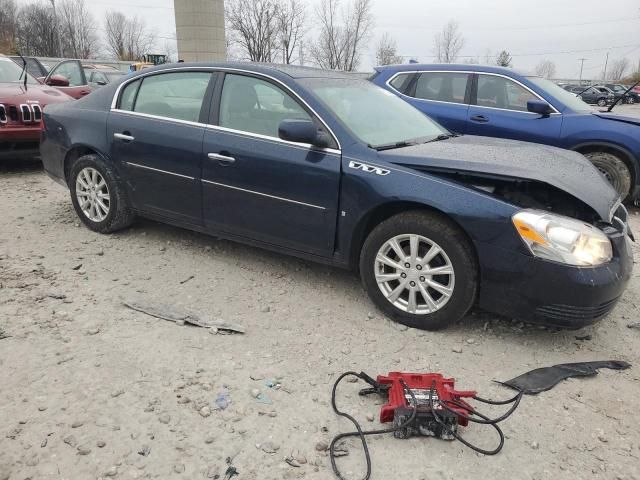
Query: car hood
[[16, 93], [618, 118], [563, 169]]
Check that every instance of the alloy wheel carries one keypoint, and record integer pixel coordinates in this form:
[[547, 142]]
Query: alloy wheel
[[414, 274], [93, 194]]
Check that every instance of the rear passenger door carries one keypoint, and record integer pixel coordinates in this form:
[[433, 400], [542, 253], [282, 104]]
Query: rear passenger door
[[156, 133], [443, 96], [499, 109]]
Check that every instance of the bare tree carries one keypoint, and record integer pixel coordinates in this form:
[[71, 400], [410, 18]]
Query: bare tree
[[341, 39], [618, 69], [448, 43], [291, 27], [127, 38], [471, 61], [387, 51], [504, 59], [8, 21], [546, 69], [36, 34], [78, 26], [254, 27]]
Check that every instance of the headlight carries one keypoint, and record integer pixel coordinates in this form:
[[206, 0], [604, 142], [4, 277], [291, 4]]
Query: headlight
[[562, 239]]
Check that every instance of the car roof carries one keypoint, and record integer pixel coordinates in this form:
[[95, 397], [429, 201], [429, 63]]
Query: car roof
[[410, 67], [293, 71]]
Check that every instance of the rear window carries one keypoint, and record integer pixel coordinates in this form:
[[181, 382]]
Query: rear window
[[442, 86]]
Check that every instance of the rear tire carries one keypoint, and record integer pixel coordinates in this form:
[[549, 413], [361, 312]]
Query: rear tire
[[419, 295], [602, 102], [615, 171], [98, 195]]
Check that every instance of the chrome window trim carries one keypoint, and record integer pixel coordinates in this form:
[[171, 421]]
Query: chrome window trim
[[22, 114], [114, 100], [160, 171], [158, 117], [6, 117], [263, 194], [469, 72]]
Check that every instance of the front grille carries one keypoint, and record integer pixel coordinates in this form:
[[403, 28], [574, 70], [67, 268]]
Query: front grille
[[37, 113], [27, 113], [13, 113], [25, 110], [572, 312]]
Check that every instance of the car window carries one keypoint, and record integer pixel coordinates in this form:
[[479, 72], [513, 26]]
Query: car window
[[500, 92], [72, 72], [98, 77], [256, 106], [400, 82], [176, 95], [442, 86], [129, 96]]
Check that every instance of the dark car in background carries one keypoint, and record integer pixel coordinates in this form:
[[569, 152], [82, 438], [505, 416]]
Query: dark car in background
[[592, 95], [501, 102], [21, 107], [99, 76], [632, 96], [332, 168]]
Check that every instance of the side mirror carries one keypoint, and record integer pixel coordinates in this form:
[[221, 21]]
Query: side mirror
[[102, 83], [58, 81], [540, 107], [302, 131]]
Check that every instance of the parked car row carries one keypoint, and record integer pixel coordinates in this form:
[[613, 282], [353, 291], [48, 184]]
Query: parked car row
[[592, 95], [333, 168]]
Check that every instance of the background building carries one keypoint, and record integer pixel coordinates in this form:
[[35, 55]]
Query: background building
[[200, 30]]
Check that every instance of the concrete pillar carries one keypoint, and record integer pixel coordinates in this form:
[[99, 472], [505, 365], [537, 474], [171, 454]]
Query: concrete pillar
[[200, 30]]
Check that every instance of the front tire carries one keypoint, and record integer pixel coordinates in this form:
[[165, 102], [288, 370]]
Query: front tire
[[420, 270], [98, 195], [602, 102], [615, 171]]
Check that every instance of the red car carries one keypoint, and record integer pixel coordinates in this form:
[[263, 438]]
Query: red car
[[69, 77], [21, 108]]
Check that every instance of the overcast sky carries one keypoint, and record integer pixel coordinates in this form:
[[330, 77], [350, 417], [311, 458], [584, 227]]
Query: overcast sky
[[560, 30]]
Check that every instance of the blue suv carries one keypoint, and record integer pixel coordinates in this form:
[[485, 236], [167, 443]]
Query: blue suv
[[500, 102]]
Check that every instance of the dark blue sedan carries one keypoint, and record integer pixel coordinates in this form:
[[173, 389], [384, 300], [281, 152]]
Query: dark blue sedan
[[500, 102], [335, 169]]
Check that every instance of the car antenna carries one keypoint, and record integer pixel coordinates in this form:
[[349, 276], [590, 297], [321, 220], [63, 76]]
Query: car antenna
[[623, 95], [24, 70]]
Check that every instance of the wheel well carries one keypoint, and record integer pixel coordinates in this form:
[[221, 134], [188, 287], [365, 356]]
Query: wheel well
[[388, 210], [624, 156], [73, 155]]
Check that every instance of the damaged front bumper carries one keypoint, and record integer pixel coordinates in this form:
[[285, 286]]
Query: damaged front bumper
[[531, 289]]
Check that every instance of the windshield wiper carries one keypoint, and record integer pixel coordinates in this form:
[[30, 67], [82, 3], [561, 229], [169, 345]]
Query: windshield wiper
[[391, 146], [442, 137]]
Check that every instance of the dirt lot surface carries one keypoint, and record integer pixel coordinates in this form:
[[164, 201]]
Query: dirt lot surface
[[90, 389]]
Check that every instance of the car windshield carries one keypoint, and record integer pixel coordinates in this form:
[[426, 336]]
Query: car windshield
[[375, 116], [569, 99], [10, 73]]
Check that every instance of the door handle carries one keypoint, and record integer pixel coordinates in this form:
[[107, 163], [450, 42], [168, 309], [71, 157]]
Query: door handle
[[124, 137], [479, 119], [222, 159]]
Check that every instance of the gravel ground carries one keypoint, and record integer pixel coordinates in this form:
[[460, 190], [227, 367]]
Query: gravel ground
[[90, 389]]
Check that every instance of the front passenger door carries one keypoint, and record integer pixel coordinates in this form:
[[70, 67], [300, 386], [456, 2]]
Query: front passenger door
[[256, 185]]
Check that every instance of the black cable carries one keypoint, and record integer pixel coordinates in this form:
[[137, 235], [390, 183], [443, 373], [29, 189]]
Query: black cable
[[500, 402], [490, 421], [359, 432]]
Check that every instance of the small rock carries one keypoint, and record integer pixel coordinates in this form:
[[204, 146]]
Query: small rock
[[265, 309], [370, 418], [471, 341], [70, 440], [301, 459], [165, 418], [112, 472], [270, 447], [178, 468], [77, 424], [370, 316], [77, 267], [535, 445], [44, 443], [322, 446], [101, 443], [209, 440], [184, 399], [42, 408], [117, 393], [205, 411], [84, 450], [456, 349], [93, 331], [144, 451], [634, 324], [255, 393]]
